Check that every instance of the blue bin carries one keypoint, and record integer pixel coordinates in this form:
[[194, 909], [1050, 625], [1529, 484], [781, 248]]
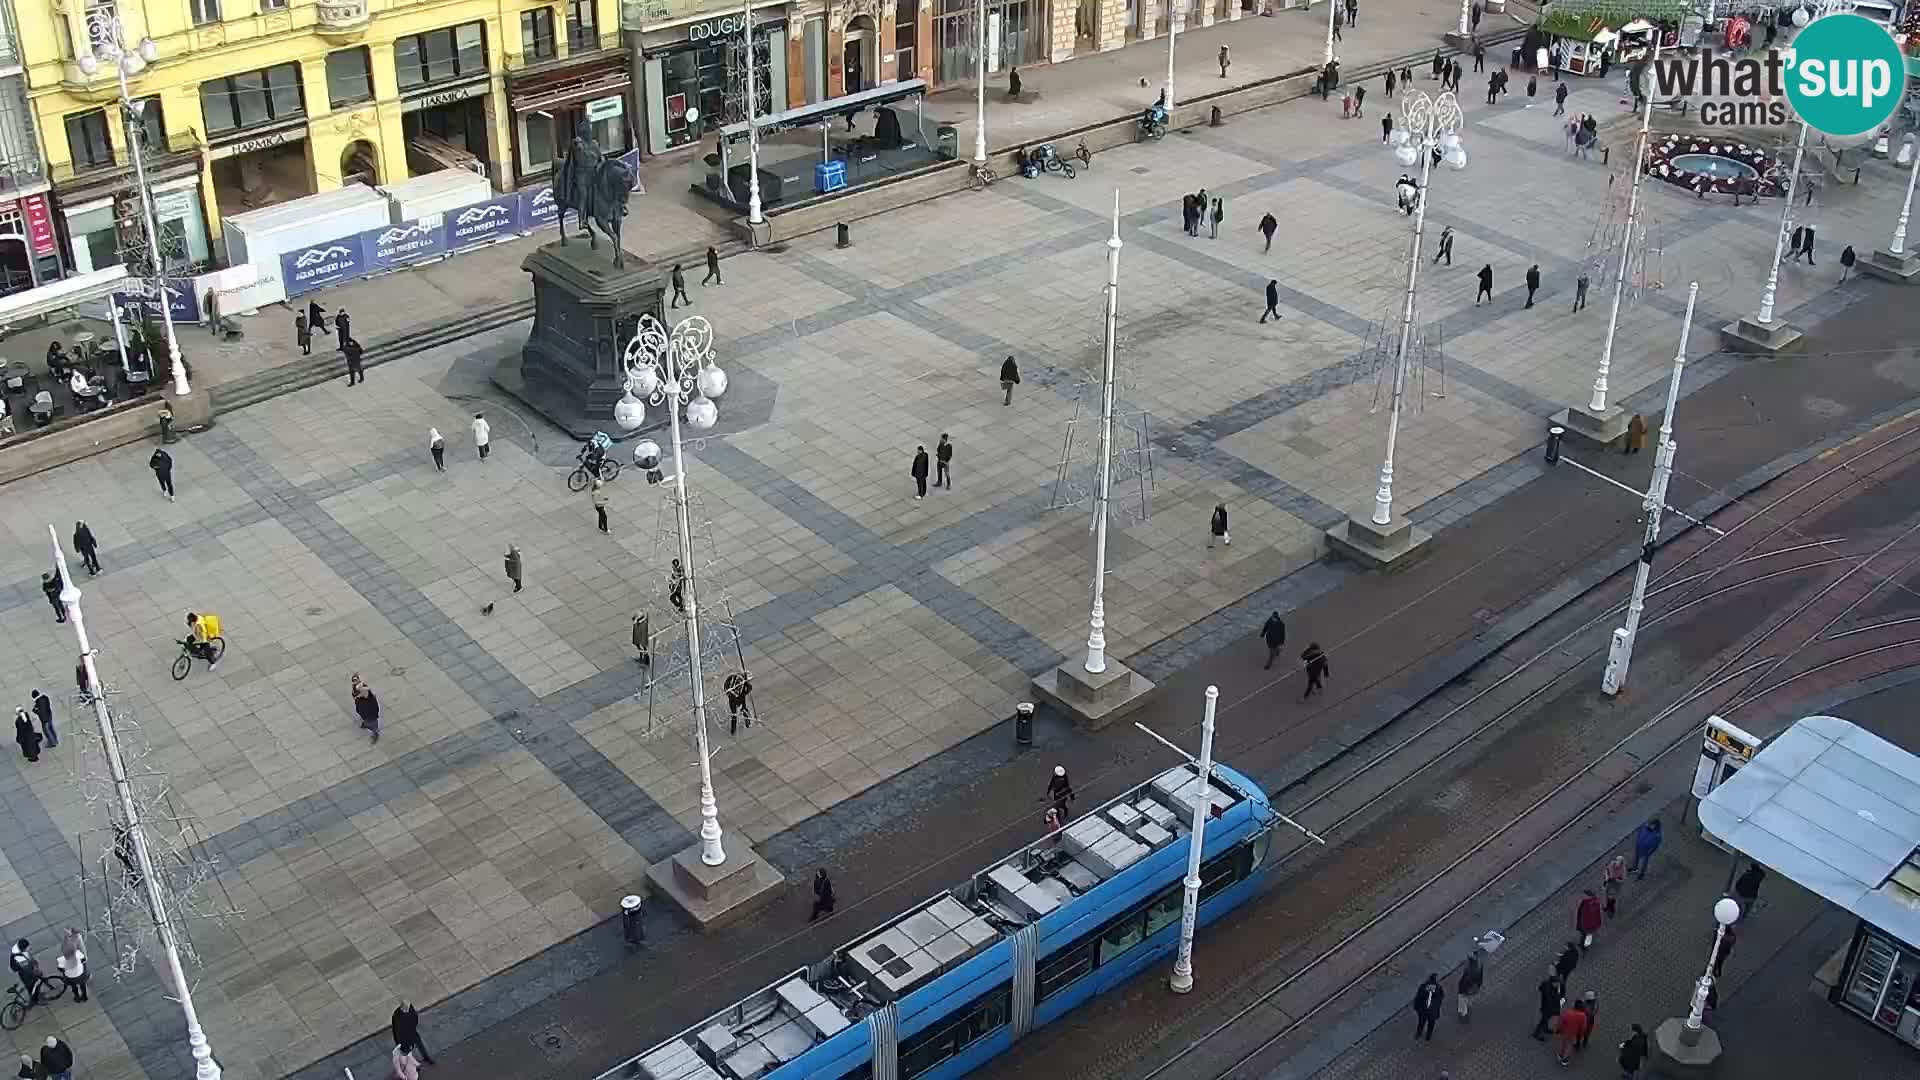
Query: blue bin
[[829, 176]]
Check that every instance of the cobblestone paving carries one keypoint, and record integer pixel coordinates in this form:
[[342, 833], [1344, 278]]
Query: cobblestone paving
[[522, 783]]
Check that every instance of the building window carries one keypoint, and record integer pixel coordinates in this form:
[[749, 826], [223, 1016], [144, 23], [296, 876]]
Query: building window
[[87, 139], [149, 122], [582, 34], [252, 99], [349, 77], [273, 5], [441, 55], [536, 35], [204, 11], [100, 12]]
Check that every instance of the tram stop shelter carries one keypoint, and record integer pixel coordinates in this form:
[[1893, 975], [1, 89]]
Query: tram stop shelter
[[828, 146], [1836, 810]]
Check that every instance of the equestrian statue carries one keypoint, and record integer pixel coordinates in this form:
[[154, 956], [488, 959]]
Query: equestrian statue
[[595, 187]]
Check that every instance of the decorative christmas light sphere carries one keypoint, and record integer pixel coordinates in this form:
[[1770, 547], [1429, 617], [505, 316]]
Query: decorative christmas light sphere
[[643, 380], [646, 454], [702, 413], [629, 412], [1801, 16], [712, 381], [1405, 155]]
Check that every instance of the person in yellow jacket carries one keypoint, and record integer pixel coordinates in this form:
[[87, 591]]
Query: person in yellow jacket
[[202, 629]]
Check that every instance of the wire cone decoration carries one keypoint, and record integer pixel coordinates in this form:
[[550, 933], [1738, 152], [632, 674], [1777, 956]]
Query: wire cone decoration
[[1610, 235], [669, 686], [1130, 478], [1426, 362]]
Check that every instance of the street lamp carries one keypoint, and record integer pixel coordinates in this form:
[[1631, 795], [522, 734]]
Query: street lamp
[[675, 368], [1429, 128], [1333, 12], [1097, 632], [980, 90], [1898, 248], [106, 41], [1725, 914], [204, 1067], [1176, 16], [754, 216], [1182, 979]]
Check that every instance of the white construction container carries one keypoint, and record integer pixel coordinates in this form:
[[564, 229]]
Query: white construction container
[[434, 193], [262, 236]]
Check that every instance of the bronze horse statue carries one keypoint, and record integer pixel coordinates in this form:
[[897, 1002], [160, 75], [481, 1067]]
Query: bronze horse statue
[[595, 187]]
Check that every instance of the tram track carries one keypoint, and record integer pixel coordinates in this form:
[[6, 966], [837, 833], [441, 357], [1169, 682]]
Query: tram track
[[1267, 997]]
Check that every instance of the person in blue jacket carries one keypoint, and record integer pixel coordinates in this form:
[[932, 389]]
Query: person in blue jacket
[[1645, 842]]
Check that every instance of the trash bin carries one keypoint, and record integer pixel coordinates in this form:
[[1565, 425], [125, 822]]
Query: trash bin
[[631, 926], [1213, 120], [946, 142], [1023, 724], [842, 236]]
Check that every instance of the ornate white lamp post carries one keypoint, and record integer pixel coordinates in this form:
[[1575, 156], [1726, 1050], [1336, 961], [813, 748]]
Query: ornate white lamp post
[[1176, 18], [151, 880], [106, 41], [1097, 633], [1725, 913], [754, 215], [1894, 261], [980, 90], [675, 368], [1333, 12]]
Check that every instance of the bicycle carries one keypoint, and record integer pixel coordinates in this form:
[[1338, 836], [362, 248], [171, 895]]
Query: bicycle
[[1085, 155], [579, 478], [982, 176], [19, 1002], [214, 649]]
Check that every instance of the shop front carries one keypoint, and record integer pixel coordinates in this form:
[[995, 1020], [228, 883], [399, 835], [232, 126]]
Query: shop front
[[696, 75], [1882, 981], [445, 93], [1016, 36], [551, 102], [92, 207], [29, 250], [256, 131]]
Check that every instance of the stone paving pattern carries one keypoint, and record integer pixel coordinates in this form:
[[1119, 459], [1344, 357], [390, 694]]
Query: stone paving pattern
[[522, 784]]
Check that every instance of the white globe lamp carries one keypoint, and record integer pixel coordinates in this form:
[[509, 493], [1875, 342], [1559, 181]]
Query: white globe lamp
[[712, 381], [629, 412], [702, 413]]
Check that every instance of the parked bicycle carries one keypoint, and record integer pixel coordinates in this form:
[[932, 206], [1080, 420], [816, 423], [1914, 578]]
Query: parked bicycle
[[211, 652], [1044, 158], [19, 1002], [983, 176]]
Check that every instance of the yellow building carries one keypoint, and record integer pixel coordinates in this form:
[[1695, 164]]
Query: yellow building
[[246, 106]]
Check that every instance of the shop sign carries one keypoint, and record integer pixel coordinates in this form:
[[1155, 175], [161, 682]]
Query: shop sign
[[329, 263], [183, 302], [258, 142], [444, 97], [173, 205], [39, 224], [400, 245], [606, 108], [481, 222], [721, 27]]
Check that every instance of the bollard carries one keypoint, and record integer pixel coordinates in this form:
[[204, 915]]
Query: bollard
[[1606, 152], [631, 926], [166, 425], [1023, 724], [1214, 118], [842, 240]]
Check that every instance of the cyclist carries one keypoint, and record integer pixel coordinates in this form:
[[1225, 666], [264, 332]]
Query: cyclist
[[201, 630], [595, 452], [26, 968]]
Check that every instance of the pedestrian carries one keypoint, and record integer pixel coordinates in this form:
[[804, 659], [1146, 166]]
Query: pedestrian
[[1568, 960], [1219, 215], [1268, 226], [1807, 248], [513, 566], [366, 705], [1560, 100], [1273, 301], [437, 446], [402, 1064], [50, 584], [1720, 952], [87, 546], [1224, 61], [1633, 1053], [1353, 12], [1587, 918], [356, 371], [1472, 977], [71, 943], [1590, 1005], [73, 967], [822, 894], [679, 282], [302, 335], [1636, 434], [1473, 24], [1186, 214], [1360, 101], [1847, 259], [1533, 282], [1336, 29], [406, 1029], [1346, 105], [1479, 58], [919, 473], [343, 327], [43, 711], [1533, 87], [1060, 790], [1794, 239], [643, 638], [161, 463], [1445, 250], [1616, 876], [1316, 660], [713, 277], [1217, 527], [1013, 84], [1486, 286], [1646, 841], [482, 434], [1580, 291], [1009, 378], [56, 1059], [316, 317], [739, 691], [1386, 126], [1426, 1006], [1550, 999], [677, 588], [26, 735], [1573, 1025], [943, 462], [1391, 80], [1274, 633], [1746, 889], [1493, 87], [600, 503], [29, 1068], [1437, 63]]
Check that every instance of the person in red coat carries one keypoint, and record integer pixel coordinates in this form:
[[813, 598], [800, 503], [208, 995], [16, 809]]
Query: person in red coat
[[1588, 918], [1573, 1026]]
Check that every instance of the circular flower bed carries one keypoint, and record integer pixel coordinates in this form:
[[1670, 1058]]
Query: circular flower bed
[[1666, 148]]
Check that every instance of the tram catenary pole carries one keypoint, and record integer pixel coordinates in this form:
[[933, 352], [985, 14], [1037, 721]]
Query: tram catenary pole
[[1182, 979]]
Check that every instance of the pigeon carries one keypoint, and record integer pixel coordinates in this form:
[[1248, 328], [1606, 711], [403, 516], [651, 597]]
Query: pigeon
[[488, 610]]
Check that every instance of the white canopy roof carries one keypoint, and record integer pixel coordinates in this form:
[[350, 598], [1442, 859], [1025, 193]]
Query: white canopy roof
[[59, 295], [1837, 810]]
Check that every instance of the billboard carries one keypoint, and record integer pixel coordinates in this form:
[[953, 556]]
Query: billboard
[[183, 302], [327, 263], [495, 219], [404, 244]]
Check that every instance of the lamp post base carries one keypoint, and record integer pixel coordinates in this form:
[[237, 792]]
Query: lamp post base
[[1675, 1056], [1457, 40], [1093, 700], [1884, 264], [1391, 546], [193, 411], [1750, 335], [714, 896], [1605, 430]]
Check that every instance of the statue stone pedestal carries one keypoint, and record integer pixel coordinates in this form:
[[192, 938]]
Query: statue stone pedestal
[[584, 312]]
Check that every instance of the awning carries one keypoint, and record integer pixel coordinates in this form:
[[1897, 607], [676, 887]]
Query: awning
[[840, 106], [1837, 810], [60, 295]]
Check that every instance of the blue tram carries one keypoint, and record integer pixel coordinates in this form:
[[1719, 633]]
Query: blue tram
[[938, 990]]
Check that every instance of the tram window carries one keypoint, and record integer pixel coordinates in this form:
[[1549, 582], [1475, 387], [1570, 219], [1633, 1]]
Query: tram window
[[1223, 871], [1165, 911], [935, 1045], [1063, 970], [1122, 937], [1260, 845]]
